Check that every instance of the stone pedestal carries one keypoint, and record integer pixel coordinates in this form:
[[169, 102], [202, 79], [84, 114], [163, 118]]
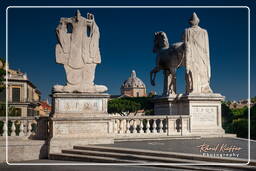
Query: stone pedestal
[[204, 111], [79, 119]]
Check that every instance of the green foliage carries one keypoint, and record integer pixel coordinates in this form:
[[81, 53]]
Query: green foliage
[[227, 118], [253, 100], [122, 106], [130, 104], [240, 112], [240, 127], [236, 121]]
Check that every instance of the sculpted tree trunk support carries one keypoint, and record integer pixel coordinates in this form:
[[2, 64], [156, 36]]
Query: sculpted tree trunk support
[[78, 50]]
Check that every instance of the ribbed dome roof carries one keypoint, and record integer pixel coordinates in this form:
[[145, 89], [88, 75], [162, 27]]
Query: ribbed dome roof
[[133, 81]]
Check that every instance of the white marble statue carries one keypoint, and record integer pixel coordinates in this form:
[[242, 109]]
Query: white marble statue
[[197, 57], [192, 53], [78, 50]]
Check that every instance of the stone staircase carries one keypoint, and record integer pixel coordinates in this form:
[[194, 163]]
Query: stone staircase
[[101, 154]]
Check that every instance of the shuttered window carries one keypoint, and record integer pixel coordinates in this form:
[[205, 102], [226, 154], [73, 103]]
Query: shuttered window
[[16, 94]]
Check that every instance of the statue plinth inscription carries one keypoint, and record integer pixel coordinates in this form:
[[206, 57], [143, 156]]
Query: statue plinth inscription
[[80, 104], [205, 114]]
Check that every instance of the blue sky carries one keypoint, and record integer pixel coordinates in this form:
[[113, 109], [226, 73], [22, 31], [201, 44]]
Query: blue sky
[[126, 44]]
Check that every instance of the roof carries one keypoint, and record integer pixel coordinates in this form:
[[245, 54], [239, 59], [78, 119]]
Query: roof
[[45, 105], [133, 82], [14, 75]]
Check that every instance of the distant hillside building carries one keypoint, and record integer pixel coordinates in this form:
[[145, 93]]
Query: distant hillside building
[[133, 87], [22, 94], [44, 108]]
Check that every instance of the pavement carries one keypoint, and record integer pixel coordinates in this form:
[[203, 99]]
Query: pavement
[[172, 145], [5, 167], [192, 146]]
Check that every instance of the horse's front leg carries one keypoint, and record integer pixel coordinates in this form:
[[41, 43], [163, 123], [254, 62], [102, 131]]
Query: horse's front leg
[[153, 73]]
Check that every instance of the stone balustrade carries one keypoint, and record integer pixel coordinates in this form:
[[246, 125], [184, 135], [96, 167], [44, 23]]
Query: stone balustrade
[[151, 126], [124, 126], [26, 127]]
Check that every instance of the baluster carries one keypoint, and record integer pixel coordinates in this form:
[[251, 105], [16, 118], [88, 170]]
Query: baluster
[[165, 125], [21, 129], [116, 126], [5, 129], [161, 126], [134, 127], [141, 126], [13, 129], [154, 126], [36, 127], [29, 129], [147, 126], [121, 126], [128, 127], [115, 122], [131, 126]]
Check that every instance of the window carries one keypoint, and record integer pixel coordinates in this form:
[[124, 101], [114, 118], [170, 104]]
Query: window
[[3, 95], [15, 112], [16, 94], [138, 94]]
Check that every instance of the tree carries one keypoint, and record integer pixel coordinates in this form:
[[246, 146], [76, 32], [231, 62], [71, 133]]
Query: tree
[[236, 121], [253, 100], [227, 118], [122, 106]]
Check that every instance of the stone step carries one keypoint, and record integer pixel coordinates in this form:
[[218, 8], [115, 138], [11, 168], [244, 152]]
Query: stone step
[[87, 158], [101, 154], [96, 159], [126, 156], [192, 157], [162, 157]]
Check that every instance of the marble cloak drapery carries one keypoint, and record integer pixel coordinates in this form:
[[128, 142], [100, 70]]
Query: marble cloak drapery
[[197, 59], [77, 48]]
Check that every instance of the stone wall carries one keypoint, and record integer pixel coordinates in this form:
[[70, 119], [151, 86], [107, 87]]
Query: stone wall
[[22, 149]]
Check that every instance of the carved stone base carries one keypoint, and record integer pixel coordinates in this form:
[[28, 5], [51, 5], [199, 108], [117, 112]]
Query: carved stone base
[[79, 104], [203, 109], [67, 132], [79, 119]]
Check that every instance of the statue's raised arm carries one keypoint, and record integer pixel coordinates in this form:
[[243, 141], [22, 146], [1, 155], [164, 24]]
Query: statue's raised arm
[[78, 50]]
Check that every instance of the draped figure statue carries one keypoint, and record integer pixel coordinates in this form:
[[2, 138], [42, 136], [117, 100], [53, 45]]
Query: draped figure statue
[[197, 58], [78, 50]]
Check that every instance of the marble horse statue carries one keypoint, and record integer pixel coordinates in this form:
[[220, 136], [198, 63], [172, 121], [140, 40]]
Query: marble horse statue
[[169, 59]]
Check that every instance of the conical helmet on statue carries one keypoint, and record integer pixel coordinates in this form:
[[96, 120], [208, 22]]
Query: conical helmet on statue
[[78, 14], [194, 20]]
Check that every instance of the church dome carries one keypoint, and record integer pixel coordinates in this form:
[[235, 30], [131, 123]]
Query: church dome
[[133, 82]]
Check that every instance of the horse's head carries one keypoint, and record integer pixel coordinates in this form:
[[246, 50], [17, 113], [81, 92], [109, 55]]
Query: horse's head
[[160, 41]]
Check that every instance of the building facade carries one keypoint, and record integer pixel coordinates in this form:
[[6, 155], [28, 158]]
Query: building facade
[[133, 87], [22, 94], [44, 108]]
